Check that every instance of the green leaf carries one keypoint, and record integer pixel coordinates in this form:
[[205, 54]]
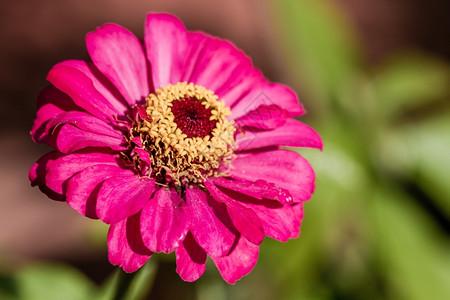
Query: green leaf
[[142, 283], [53, 282], [420, 152], [9, 287], [412, 253], [139, 287]]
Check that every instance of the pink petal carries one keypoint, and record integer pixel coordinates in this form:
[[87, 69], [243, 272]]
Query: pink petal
[[85, 122], [165, 41], [82, 189], [101, 84], [51, 95], [139, 113], [268, 94], [58, 171], [280, 222], [292, 134], [37, 175], [71, 139], [286, 169], [118, 54], [219, 66], [263, 117], [244, 219], [298, 210], [81, 89], [236, 91], [123, 195], [51, 102], [211, 226], [145, 162], [259, 189], [191, 259], [164, 221], [125, 247], [239, 262]]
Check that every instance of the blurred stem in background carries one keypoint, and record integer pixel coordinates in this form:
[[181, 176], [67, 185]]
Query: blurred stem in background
[[123, 284]]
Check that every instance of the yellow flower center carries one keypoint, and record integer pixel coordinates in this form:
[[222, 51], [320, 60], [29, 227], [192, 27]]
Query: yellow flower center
[[186, 134]]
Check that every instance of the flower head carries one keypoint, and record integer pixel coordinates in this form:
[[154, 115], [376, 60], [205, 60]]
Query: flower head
[[176, 142]]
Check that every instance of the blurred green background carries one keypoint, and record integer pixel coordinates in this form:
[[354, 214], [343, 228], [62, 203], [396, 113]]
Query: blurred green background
[[374, 77]]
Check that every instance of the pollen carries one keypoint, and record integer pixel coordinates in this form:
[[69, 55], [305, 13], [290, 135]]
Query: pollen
[[186, 133]]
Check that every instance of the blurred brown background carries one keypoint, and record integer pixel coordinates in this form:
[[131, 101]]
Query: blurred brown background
[[35, 35]]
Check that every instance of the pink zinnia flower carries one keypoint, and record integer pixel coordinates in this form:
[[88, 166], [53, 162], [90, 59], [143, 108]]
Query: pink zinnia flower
[[176, 142]]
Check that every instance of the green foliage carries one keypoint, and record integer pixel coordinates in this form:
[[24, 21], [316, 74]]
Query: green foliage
[[51, 281], [319, 46], [410, 249], [419, 152], [408, 82], [374, 229], [46, 281]]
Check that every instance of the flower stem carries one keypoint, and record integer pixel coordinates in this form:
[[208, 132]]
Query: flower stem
[[123, 284]]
